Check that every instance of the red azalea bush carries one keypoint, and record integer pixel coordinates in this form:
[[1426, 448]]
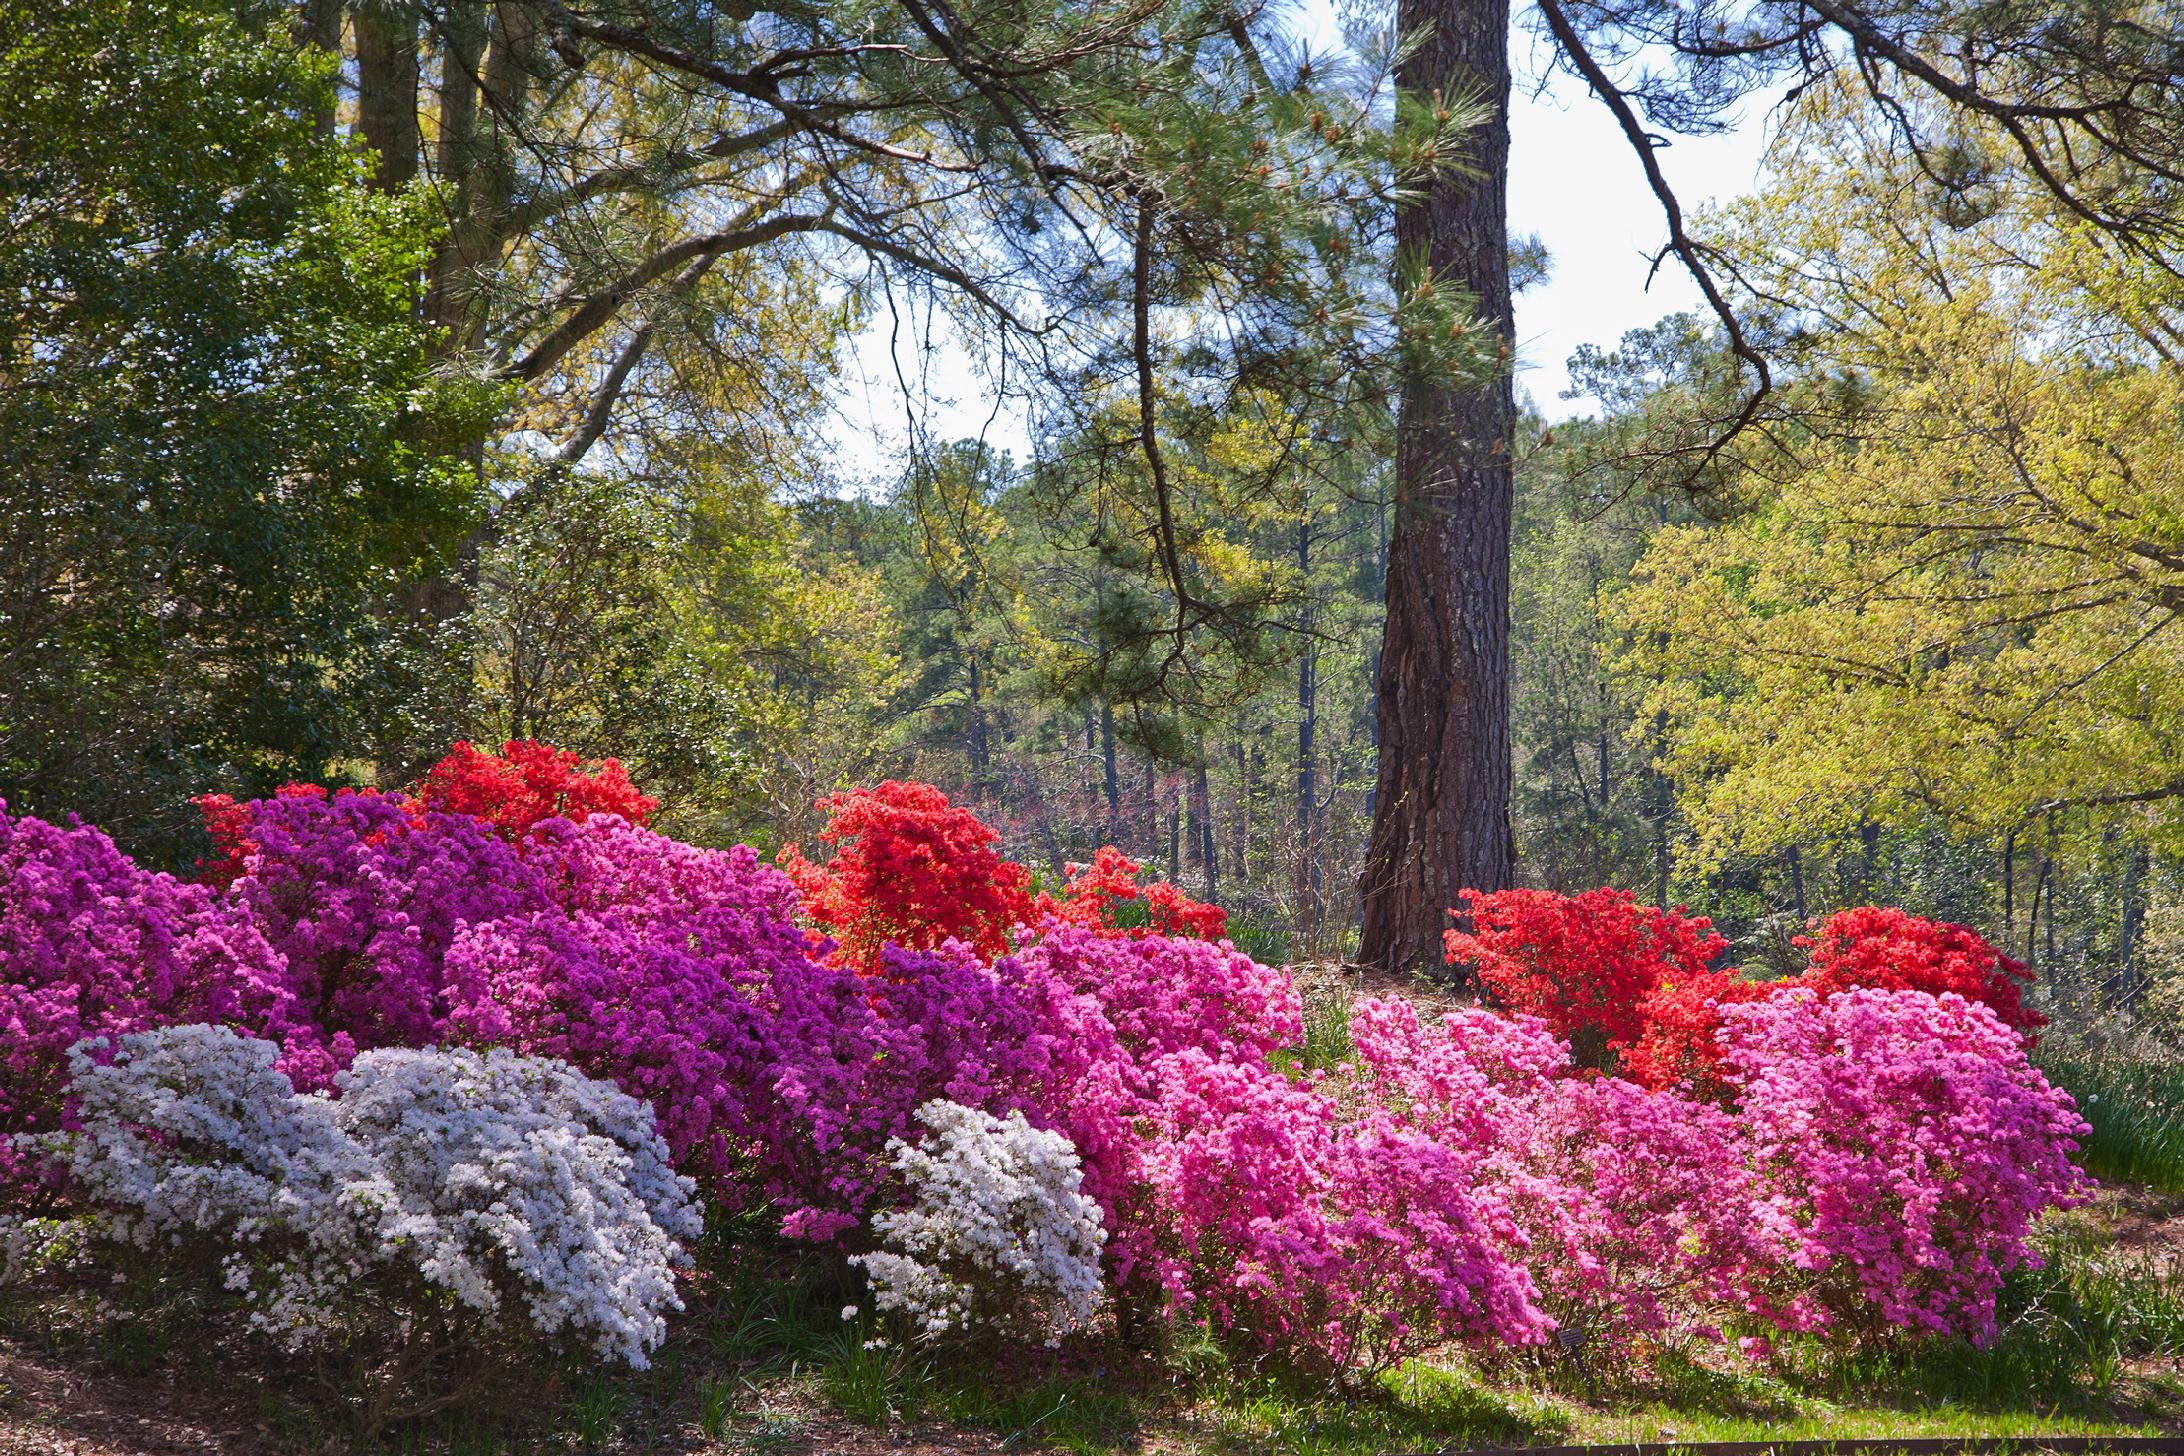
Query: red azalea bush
[[910, 869], [1681, 1037], [1891, 950], [1581, 963], [528, 781], [1095, 890]]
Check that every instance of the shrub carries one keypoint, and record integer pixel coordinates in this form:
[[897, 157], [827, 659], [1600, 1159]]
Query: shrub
[[363, 896], [996, 1233], [1333, 1242], [1162, 994], [1891, 950], [911, 869], [529, 781], [1639, 1207], [1581, 963], [448, 1202], [1096, 890], [1909, 1145], [91, 945], [1681, 1037]]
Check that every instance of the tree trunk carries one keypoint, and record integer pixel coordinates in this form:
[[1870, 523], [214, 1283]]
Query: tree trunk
[[386, 89], [1441, 803], [1112, 779], [1209, 856]]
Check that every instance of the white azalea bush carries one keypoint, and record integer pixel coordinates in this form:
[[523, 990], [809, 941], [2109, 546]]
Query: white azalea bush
[[996, 1235], [446, 1200]]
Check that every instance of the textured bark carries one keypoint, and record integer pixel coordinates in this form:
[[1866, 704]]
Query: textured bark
[[386, 89], [1441, 801]]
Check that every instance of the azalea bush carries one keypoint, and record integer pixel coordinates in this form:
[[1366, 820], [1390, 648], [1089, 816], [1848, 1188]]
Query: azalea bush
[[528, 781], [996, 1233], [1096, 895], [909, 868], [1908, 1144], [445, 1206], [1890, 950], [1581, 963], [91, 945]]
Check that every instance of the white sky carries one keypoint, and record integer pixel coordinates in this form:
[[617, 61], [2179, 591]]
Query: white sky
[[1573, 180]]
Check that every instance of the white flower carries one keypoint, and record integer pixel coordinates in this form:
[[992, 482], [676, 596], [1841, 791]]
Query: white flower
[[484, 1174], [849, 1312], [997, 1232]]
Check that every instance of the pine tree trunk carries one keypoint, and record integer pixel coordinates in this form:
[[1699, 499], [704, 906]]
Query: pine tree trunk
[[1441, 804], [386, 89]]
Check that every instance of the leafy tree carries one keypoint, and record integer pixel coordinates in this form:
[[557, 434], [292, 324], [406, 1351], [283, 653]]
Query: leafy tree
[[2081, 101], [217, 417], [1961, 599]]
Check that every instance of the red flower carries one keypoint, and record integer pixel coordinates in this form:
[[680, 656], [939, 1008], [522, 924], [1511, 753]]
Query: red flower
[[1892, 950], [527, 782]]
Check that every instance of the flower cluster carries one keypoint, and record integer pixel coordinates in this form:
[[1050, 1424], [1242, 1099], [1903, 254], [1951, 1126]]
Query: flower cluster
[[528, 781], [909, 869], [995, 1233], [1582, 963], [1906, 1145], [491, 1185]]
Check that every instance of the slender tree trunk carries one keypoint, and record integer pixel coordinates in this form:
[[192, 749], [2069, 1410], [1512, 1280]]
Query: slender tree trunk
[[1107, 762], [1209, 842], [1441, 820], [1797, 882], [975, 740]]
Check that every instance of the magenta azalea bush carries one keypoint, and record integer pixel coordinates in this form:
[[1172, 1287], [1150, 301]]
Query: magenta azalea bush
[[1875, 1160], [1906, 1145]]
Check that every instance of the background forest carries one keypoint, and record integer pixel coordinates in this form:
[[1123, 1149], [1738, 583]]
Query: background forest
[[470, 375]]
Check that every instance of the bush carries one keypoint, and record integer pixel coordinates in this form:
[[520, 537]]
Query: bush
[[1681, 1038], [1096, 892], [909, 869], [446, 1203], [529, 781], [1581, 963], [996, 1233], [1906, 1146], [91, 945], [1891, 950]]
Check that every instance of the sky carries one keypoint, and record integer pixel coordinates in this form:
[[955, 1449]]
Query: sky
[[1573, 180]]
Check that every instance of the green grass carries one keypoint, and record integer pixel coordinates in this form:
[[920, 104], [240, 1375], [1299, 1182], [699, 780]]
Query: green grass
[[2136, 1108], [765, 1360]]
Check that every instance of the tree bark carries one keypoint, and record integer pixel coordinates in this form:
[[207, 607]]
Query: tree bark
[[1441, 802], [386, 89]]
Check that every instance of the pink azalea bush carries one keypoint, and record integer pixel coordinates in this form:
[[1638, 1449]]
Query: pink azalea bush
[[91, 945], [1907, 1145]]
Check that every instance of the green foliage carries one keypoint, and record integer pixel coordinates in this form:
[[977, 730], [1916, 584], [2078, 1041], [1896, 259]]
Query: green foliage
[[2136, 1107], [217, 418]]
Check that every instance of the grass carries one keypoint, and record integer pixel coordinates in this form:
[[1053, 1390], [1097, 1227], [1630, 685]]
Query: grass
[[2136, 1107], [2090, 1344]]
